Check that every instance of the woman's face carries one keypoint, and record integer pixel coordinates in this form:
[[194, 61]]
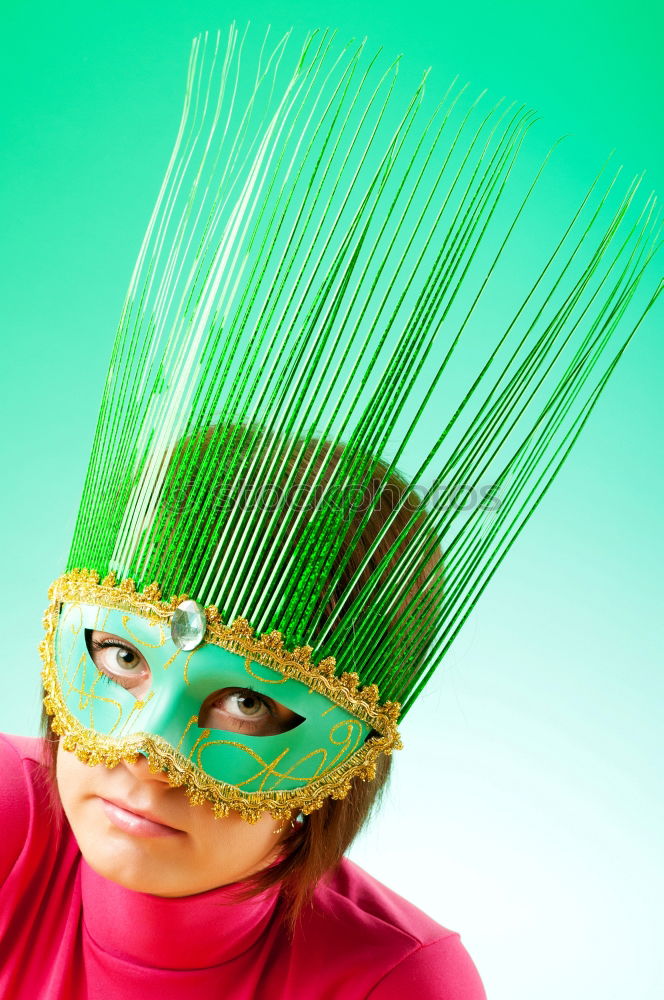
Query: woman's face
[[135, 829]]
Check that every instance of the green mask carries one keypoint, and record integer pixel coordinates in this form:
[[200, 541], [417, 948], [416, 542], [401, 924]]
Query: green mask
[[152, 703]]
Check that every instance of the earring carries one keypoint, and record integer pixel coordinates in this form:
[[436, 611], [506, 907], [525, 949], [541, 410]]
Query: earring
[[280, 829], [298, 821]]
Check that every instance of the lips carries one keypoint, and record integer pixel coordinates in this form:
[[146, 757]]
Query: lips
[[140, 822]]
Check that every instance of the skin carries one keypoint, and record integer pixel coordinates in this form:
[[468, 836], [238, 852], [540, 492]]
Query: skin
[[206, 852]]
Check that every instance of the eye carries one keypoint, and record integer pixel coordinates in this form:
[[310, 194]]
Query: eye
[[245, 705], [119, 661], [241, 710]]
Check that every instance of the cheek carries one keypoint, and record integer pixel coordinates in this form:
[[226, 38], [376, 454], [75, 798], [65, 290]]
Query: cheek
[[232, 847], [76, 787], [72, 777]]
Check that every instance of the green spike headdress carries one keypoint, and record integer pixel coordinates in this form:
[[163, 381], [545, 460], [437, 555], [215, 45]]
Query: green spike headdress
[[300, 326]]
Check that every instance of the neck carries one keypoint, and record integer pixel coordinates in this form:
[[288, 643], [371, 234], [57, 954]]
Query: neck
[[173, 933]]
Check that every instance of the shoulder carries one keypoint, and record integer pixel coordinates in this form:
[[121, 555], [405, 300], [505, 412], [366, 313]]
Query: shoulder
[[22, 793], [20, 758], [441, 970], [406, 947], [363, 900], [28, 748]]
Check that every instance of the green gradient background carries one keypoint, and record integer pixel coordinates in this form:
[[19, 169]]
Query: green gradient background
[[526, 810]]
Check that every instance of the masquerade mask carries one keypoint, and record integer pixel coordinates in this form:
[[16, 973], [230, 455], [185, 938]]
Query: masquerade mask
[[234, 720]]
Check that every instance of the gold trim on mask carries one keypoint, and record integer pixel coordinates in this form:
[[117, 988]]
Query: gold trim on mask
[[84, 586]]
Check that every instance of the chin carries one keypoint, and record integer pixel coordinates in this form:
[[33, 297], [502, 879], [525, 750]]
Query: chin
[[132, 863], [132, 874]]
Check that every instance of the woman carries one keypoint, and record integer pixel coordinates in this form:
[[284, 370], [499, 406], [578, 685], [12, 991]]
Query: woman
[[253, 599], [135, 891]]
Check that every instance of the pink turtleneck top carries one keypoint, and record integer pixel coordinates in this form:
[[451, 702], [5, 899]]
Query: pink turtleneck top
[[67, 933]]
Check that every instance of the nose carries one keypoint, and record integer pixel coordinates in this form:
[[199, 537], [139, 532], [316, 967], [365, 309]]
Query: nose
[[141, 770]]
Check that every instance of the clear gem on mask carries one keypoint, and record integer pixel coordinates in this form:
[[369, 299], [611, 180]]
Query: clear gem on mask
[[188, 625]]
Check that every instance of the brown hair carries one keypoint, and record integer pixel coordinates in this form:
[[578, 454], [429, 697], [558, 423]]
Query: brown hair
[[315, 847]]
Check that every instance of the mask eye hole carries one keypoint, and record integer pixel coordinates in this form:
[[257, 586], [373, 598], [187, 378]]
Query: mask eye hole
[[119, 661], [241, 710]]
